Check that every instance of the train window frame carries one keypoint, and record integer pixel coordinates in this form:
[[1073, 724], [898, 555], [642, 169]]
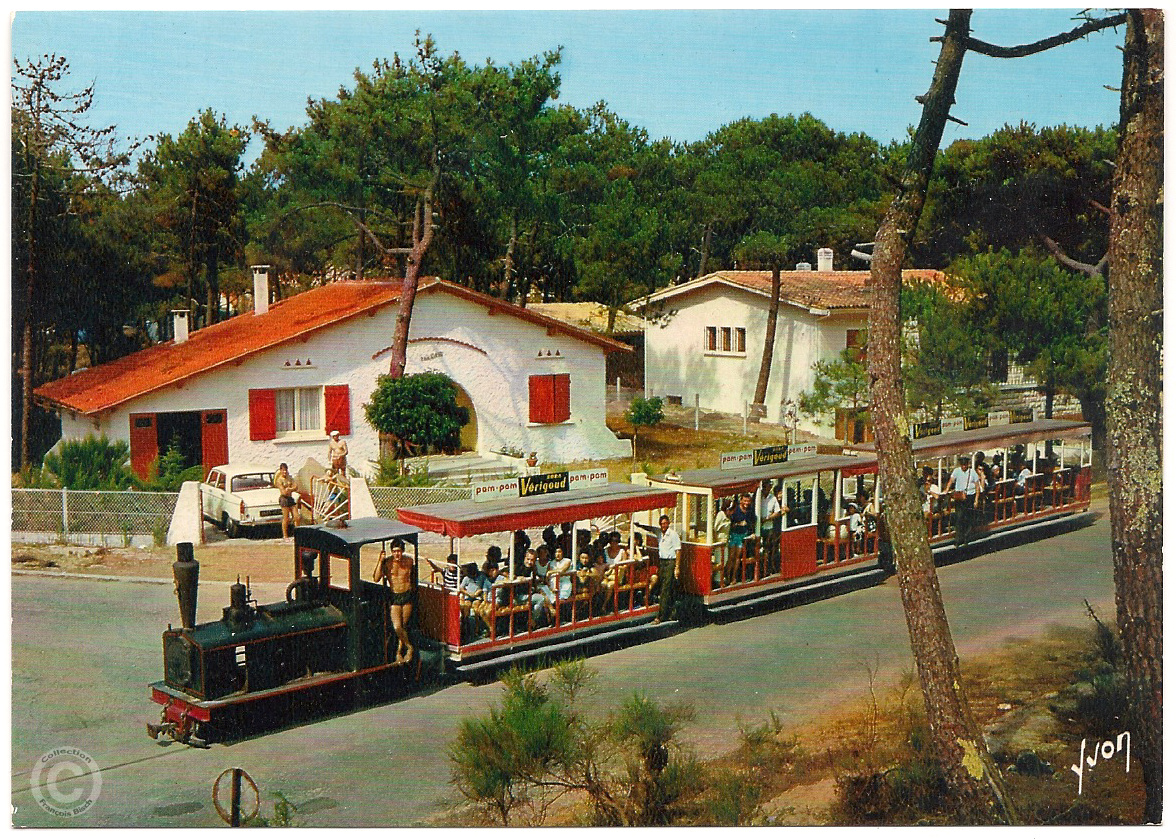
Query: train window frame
[[812, 488], [335, 561]]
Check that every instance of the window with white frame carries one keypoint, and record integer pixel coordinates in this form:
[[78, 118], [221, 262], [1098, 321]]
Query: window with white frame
[[298, 409], [728, 340]]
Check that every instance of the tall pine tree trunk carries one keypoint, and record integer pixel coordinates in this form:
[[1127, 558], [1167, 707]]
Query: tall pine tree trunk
[[705, 255], [422, 237], [1134, 382], [26, 333], [212, 281], [765, 370], [973, 778]]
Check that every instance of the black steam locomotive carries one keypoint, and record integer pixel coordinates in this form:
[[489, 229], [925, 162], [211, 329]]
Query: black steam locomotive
[[327, 647]]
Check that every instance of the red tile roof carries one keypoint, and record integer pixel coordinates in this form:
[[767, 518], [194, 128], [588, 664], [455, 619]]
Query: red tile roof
[[814, 289], [103, 387]]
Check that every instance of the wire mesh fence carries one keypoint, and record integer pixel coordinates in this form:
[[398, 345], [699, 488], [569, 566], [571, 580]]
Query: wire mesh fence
[[69, 512], [387, 499]]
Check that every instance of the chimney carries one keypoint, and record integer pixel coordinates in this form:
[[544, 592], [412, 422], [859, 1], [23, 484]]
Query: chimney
[[825, 259], [260, 289], [180, 325]]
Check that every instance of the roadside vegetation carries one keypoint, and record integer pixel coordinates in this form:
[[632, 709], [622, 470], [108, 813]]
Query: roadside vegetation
[[548, 755]]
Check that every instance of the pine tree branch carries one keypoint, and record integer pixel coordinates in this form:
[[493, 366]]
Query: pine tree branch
[[1097, 270], [1022, 50]]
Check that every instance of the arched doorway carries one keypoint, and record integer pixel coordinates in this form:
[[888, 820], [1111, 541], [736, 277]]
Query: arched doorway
[[469, 432]]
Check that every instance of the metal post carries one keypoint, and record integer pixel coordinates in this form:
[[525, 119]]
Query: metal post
[[696, 412], [64, 514], [618, 388], [235, 801]]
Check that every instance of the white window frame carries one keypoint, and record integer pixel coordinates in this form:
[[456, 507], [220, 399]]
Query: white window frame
[[299, 394], [714, 338]]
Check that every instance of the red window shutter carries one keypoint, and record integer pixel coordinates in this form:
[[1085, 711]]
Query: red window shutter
[[144, 443], [562, 397], [263, 414], [542, 400], [338, 401]]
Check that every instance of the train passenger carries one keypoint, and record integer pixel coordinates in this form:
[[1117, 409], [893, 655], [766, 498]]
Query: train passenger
[[669, 555], [559, 576], [472, 594], [491, 579], [722, 533], [449, 572], [521, 542], [930, 490], [857, 529], [742, 536], [396, 570], [963, 485], [550, 540], [1023, 475], [769, 515], [540, 595], [614, 551], [565, 539]]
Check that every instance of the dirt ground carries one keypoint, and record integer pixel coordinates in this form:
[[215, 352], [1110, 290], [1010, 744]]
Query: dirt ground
[[1021, 694]]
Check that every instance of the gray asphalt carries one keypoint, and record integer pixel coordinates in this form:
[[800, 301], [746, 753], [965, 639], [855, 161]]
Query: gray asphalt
[[83, 653]]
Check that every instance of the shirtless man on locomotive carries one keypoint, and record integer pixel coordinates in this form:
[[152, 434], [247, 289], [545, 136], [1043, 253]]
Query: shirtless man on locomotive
[[395, 569]]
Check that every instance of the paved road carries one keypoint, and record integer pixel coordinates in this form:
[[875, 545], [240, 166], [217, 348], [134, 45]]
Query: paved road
[[83, 652]]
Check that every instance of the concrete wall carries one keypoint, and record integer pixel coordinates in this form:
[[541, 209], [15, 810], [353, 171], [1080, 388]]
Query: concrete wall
[[489, 356]]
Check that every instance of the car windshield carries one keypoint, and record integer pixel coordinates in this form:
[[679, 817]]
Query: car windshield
[[255, 480]]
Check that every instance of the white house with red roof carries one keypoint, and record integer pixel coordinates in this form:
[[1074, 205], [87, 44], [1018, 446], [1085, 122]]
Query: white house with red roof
[[706, 336], [270, 385]]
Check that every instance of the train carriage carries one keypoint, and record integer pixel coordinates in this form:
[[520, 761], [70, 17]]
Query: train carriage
[[1056, 452], [811, 551], [581, 608]]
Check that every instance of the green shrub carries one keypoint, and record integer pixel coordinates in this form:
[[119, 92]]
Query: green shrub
[[93, 463], [388, 474], [733, 798], [167, 473]]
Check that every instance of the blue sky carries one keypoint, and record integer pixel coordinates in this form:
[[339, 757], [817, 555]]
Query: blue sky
[[676, 73]]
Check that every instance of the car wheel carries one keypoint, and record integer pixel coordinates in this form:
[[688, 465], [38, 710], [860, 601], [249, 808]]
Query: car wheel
[[232, 529]]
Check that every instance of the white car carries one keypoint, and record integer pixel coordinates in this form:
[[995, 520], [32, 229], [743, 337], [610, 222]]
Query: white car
[[236, 496]]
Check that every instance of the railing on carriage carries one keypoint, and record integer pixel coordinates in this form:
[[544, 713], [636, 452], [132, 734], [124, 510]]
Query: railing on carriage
[[520, 607]]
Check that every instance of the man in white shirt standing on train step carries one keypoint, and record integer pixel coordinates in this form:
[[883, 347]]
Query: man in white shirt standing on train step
[[669, 554], [963, 484]]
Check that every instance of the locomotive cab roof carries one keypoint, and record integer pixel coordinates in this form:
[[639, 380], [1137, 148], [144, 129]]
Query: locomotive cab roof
[[357, 533]]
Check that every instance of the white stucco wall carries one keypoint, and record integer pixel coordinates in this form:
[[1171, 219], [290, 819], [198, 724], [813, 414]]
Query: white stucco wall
[[676, 363], [492, 369]]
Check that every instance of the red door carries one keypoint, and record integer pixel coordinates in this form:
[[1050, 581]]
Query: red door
[[214, 438], [144, 443]]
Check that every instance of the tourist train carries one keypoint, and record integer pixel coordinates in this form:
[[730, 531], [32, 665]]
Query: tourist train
[[545, 565]]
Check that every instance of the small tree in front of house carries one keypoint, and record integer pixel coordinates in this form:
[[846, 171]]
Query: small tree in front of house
[[418, 413], [644, 413], [838, 383]]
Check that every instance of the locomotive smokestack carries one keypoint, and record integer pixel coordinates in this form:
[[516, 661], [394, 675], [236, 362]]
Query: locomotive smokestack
[[186, 571]]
